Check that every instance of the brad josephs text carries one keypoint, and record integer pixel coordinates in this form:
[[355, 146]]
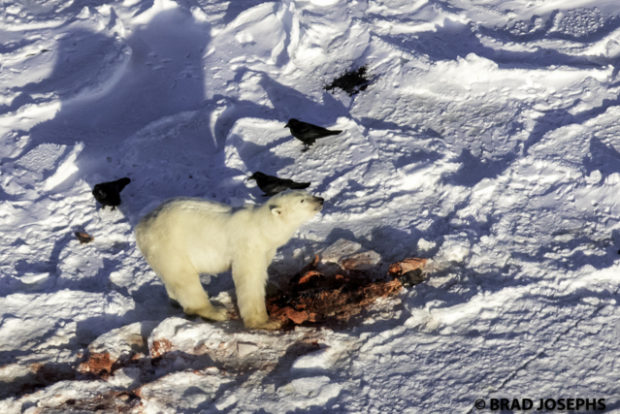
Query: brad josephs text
[[548, 404]]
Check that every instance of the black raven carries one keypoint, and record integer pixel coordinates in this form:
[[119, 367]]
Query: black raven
[[308, 133], [108, 193], [273, 185]]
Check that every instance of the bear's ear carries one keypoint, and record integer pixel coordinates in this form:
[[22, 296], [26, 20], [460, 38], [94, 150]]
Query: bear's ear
[[275, 210]]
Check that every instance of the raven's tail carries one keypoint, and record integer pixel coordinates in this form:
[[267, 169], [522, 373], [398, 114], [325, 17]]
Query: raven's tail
[[299, 186], [120, 184]]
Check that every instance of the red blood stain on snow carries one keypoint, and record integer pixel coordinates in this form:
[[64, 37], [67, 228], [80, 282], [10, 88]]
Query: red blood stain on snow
[[160, 347], [318, 295]]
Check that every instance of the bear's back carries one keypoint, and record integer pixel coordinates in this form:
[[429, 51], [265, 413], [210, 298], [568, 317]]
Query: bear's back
[[187, 205], [196, 205], [182, 223], [181, 214]]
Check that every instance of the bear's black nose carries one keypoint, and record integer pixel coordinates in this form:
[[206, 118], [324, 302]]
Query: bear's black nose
[[320, 200]]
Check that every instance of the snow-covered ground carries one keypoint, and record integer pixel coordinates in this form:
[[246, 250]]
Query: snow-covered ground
[[488, 140]]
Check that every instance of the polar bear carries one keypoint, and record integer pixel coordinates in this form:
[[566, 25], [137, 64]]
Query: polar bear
[[185, 237]]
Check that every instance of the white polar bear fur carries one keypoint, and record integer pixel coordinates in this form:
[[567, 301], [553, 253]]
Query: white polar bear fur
[[185, 237]]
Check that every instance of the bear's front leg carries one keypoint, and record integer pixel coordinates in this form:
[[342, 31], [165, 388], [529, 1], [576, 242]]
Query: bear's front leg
[[250, 276]]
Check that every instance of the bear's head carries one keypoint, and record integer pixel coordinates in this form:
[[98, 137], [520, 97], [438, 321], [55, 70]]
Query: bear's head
[[294, 207]]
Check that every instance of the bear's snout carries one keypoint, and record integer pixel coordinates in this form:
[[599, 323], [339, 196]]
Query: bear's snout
[[319, 201]]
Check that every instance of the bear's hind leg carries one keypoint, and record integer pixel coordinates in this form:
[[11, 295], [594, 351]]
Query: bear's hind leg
[[185, 287]]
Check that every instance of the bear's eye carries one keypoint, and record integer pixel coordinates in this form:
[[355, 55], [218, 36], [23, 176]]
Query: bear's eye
[[302, 200]]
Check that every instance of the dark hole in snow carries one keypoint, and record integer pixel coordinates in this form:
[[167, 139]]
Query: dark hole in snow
[[351, 82]]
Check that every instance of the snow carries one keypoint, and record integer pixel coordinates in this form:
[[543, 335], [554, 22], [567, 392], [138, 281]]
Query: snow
[[487, 141]]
